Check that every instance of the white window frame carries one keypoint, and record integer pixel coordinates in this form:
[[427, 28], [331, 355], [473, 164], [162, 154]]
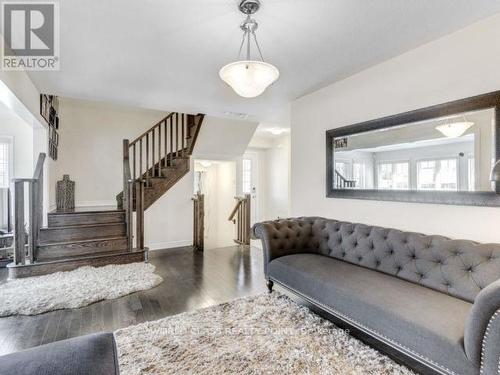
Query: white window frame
[[362, 182], [9, 140], [395, 161], [243, 179], [438, 159]]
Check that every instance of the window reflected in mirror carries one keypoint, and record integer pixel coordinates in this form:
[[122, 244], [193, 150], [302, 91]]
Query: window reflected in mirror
[[453, 153]]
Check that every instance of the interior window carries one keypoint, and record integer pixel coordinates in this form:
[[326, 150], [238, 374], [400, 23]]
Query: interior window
[[393, 176], [437, 174], [358, 174], [247, 176], [342, 167], [4, 165]]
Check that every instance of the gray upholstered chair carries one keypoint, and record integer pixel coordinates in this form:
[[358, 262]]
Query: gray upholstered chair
[[86, 355], [432, 299]]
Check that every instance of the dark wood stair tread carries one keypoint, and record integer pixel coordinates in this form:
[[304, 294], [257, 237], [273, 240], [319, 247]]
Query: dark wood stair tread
[[86, 210], [97, 260], [82, 226], [71, 242]]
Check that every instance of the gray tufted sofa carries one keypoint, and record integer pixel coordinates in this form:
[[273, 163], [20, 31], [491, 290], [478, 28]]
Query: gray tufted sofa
[[430, 300]]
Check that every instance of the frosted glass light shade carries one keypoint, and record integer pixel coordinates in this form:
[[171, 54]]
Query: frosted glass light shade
[[455, 129], [249, 78]]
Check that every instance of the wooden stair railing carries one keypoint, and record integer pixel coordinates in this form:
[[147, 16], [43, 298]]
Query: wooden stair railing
[[198, 221], [241, 217], [156, 149], [160, 155], [27, 254], [341, 182], [152, 163]]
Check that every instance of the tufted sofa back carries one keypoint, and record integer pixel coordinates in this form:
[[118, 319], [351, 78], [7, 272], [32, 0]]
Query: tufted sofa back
[[457, 267]]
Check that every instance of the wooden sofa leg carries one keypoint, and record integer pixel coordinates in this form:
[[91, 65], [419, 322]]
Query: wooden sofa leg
[[270, 284]]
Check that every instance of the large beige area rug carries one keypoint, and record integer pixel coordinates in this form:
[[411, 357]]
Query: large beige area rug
[[266, 334], [73, 289]]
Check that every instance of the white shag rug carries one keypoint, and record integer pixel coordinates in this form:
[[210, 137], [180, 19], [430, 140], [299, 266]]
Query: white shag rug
[[74, 289], [266, 334]]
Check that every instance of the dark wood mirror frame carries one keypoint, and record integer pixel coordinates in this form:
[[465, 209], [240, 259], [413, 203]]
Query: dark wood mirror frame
[[479, 198]]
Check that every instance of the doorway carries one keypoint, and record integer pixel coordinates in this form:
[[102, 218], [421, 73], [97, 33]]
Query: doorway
[[249, 177], [216, 180]]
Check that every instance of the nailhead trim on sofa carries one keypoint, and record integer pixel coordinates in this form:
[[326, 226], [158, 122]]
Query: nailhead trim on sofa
[[374, 332], [485, 339]]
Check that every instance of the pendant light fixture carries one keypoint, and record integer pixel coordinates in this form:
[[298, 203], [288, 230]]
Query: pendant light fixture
[[249, 78], [455, 129]]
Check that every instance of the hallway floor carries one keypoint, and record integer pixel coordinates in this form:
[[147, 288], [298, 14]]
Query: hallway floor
[[192, 280]]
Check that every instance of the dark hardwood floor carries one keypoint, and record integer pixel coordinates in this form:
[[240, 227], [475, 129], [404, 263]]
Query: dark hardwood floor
[[192, 280]]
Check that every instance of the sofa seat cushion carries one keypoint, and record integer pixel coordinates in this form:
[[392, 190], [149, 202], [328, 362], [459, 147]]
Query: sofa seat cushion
[[424, 321], [92, 354]]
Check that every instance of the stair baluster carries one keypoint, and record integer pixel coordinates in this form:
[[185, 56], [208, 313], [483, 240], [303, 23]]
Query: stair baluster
[[166, 148]]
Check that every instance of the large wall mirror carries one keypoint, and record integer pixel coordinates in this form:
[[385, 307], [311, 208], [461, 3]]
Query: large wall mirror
[[441, 154]]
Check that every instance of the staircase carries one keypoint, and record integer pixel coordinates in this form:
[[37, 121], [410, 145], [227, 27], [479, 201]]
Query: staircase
[[152, 164], [340, 182], [161, 156]]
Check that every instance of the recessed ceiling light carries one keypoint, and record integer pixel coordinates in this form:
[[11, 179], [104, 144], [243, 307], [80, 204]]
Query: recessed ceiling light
[[237, 114], [206, 163]]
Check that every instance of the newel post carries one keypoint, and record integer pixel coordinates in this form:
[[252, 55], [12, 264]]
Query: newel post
[[126, 192], [19, 230]]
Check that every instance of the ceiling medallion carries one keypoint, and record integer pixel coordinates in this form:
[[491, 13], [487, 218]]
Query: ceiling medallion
[[249, 78]]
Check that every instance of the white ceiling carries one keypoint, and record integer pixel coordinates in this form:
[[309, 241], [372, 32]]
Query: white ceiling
[[166, 54]]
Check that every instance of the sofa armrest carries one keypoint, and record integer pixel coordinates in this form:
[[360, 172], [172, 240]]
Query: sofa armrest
[[482, 330], [92, 354], [283, 237]]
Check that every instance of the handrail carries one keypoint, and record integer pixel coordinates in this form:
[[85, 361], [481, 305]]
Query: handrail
[[341, 181], [241, 217], [157, 148], [39, 166], [152, 128], [35, 200], [149, 156], [235, 209]]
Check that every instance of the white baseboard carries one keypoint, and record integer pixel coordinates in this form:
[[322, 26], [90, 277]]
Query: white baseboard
[[169, 244]]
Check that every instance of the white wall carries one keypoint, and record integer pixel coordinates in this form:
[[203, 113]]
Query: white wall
[[272, 154], [223, 139], [460, 65], [91, 149], [169, 221], [20, 95], [219, 188], [22, 143], [20, 136], [278, 178]]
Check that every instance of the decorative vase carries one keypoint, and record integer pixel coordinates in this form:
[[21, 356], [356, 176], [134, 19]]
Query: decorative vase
[[65, 194]]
